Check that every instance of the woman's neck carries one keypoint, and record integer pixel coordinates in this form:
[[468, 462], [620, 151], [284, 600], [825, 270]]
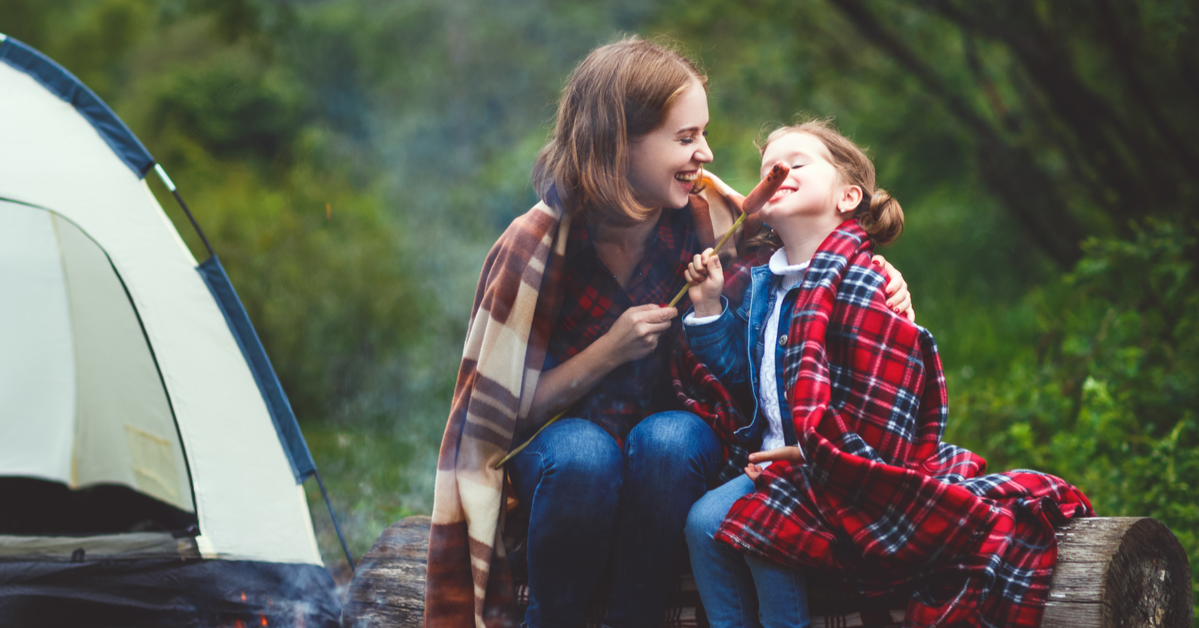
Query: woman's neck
[[621, 247], [802, 235], [635, 235]]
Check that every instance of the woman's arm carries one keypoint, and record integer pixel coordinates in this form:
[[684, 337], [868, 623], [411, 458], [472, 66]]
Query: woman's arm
[[898, 297], [632, 337]]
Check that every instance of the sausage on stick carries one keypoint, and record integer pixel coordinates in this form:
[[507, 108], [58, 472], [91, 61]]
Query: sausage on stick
[[756, 200]]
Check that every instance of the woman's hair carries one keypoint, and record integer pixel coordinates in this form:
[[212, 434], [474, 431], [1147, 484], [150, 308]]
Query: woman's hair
[[620, 92], [878, 213]]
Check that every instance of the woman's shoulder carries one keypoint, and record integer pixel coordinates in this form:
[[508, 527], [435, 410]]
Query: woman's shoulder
[[517, 249], [539, 219], [528, 229]]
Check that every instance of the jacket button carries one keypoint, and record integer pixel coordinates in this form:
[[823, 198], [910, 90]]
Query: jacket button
[[783, 340]]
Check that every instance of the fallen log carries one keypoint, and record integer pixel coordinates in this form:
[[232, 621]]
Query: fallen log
[[1111, 572]]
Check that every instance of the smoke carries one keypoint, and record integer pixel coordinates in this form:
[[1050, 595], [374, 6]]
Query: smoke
[[440, 108]]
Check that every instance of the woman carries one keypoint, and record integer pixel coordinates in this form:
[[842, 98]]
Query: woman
[[568, 317]]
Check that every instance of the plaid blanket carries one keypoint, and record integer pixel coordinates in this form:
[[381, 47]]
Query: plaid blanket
[[881, 499], [469, 581]]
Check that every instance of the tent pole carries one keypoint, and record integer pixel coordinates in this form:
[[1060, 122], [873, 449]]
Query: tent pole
[[162, 174], [336, 526]]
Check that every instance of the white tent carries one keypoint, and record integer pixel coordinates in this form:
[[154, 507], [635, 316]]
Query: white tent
[[123, 362]]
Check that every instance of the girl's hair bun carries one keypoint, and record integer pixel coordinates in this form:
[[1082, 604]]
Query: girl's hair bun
[[884, 219]]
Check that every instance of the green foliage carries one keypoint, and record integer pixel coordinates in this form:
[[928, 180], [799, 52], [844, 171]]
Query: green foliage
[[231, 106], [84, 37], [1108, 397], [322, 272]]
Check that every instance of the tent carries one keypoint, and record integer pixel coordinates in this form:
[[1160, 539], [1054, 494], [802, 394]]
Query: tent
[[151, 467]]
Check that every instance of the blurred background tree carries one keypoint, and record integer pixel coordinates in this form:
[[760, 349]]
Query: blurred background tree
[[353, 160]]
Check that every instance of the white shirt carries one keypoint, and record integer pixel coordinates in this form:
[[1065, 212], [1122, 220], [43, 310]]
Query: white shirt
[[787, 277]]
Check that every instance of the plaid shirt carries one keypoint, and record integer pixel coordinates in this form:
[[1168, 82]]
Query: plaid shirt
[[881, 500], [594, 300]]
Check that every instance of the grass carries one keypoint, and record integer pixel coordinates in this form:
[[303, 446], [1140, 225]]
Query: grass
[[375, 475]]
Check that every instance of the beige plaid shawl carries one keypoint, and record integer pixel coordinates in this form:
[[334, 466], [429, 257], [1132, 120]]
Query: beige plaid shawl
[[468, 582]]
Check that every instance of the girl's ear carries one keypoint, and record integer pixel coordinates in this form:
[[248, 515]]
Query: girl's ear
[[849, 199]]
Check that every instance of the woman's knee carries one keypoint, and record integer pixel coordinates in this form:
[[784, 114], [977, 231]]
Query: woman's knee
[[581, 449], [675, 432]]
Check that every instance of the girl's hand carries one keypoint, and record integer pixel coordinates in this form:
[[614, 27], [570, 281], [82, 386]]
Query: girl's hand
[[706, 277], [635, 334], [753, 471], [789, 454], [898, 297]]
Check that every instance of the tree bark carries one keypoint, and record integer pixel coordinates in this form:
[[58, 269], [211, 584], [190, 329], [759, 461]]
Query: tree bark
[[1111, 572]]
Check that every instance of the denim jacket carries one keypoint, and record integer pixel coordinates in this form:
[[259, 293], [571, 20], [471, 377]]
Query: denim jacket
[[731, 347]]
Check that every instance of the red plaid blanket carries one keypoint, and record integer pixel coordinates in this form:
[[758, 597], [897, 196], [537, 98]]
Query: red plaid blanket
[[881, 499]]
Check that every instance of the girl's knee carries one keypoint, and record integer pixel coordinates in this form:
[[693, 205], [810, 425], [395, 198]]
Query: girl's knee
[[704, 520]]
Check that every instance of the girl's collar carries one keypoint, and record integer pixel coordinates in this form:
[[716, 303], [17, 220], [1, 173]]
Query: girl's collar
[[779, 266]]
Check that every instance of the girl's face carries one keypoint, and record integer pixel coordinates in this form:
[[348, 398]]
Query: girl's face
[[665, 163], [812, 189]]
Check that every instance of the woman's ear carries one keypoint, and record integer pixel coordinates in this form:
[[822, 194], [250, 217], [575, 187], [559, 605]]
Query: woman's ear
[[849, 199]]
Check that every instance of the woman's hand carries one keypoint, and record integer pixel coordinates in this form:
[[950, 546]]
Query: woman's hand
[[706, 277], [635, 334], [898, 297], [789, 454]]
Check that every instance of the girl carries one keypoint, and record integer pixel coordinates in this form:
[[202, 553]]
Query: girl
[[850, 475], [568, 317]]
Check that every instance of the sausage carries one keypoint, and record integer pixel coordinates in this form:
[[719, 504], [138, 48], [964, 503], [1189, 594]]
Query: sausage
[[766, 188]]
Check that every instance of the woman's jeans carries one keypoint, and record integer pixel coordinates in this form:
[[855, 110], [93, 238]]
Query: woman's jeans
[[739, 591], [584, 493]]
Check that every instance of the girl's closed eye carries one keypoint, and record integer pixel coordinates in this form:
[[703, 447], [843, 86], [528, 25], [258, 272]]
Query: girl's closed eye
[[693, 138]]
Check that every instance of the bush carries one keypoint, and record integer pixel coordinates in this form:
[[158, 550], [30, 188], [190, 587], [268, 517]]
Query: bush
[[1108, 397]]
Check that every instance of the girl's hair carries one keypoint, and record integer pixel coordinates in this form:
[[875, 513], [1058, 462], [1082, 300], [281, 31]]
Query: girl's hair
[[878, 213], [620, 92]]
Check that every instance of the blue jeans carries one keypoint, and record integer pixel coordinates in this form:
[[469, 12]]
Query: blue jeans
[[740, 591], [584, 492]]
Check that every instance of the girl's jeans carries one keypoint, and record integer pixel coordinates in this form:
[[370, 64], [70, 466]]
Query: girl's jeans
[[584, 492], [739, 591]]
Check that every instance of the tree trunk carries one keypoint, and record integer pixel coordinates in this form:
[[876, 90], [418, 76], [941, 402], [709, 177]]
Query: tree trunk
[[1111, 572]]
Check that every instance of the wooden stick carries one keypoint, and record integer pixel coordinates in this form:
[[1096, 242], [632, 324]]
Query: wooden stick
[[513, 453], [673, 301], [715, 250]]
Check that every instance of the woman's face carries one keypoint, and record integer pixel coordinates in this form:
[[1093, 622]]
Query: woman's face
[[665, 163], [812, 185]]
